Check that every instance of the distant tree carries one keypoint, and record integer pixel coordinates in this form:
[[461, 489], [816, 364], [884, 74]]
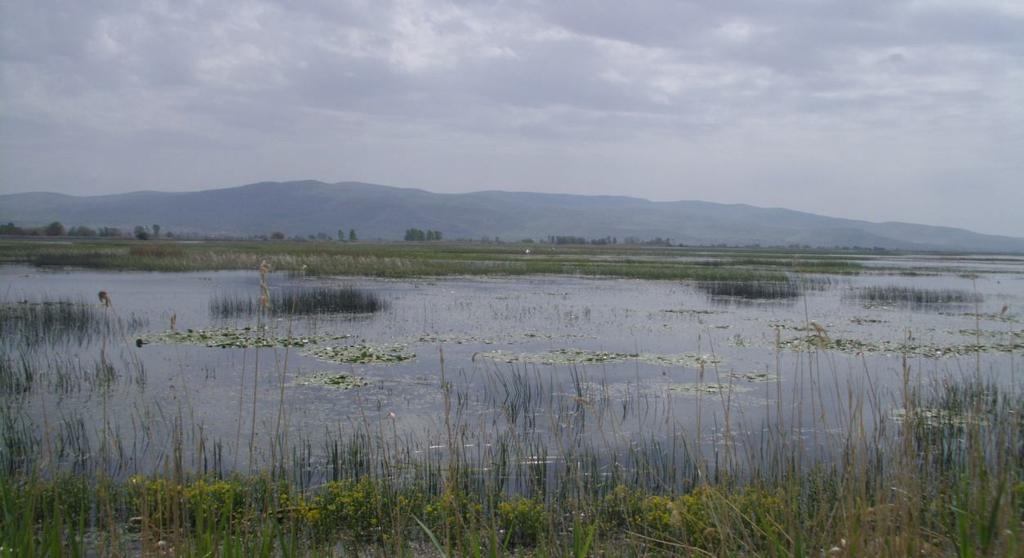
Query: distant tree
[[352, 235], [54, 229], [341, 235], [141, 233], [81, 230], [156, 231], [110, 231], [277, 235], [11, 228], [414, 234]]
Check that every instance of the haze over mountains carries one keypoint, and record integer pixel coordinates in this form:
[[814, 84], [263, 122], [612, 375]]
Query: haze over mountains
[[384, 212]]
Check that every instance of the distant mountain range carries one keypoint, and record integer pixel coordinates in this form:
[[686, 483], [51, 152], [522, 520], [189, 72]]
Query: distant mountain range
[[384, 212]]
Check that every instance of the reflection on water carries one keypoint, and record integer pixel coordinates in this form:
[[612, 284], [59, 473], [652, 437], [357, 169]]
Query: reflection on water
[[557, 359]]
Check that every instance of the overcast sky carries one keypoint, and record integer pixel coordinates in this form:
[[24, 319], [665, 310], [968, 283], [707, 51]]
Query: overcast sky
[[871, 109]]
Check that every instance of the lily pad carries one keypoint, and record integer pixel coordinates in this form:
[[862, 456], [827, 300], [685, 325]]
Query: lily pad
[[233, 338], [754, 376], [583, 356], [363, 354], [334, 380], [706, 388], [855, 346]]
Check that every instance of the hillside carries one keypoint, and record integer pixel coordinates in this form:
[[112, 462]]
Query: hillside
[[309, 207]]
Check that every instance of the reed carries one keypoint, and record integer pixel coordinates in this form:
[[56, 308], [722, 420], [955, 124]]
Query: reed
[[751, 290], [47, 321], [913, 296], [301, 301]]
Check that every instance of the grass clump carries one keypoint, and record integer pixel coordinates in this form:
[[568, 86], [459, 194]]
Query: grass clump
[[301, 301], [914, 296], [751, 290], [44, 321]]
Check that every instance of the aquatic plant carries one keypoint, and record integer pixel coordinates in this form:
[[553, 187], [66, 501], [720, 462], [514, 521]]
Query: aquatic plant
[[55, 320], [301, 301], [235, 338], [751, 290], [333, 380], [363, 354], [570, 356], [915, 296]]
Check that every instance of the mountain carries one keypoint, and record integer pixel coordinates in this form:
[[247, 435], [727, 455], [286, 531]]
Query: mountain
[[385, 212]]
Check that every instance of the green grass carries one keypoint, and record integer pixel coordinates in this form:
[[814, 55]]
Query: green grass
[[918, 486]]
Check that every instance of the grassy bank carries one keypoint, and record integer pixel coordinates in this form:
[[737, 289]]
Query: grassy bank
[[423, 260]]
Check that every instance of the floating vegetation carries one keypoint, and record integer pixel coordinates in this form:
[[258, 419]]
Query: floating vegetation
[[706, 388], [855, 346], [1000, 317], [753, 376], [333, 380], [453, 339], [751, 290], [465, 339], [584, 356], [866, 321], [991, 333], [363, 354], [913, 296], [690, 311], [300, 301], [233, 338]]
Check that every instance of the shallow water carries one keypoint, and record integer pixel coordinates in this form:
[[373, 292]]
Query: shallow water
[[511, 347]]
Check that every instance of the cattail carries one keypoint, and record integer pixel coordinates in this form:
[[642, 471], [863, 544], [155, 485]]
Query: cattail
[[264, 289]]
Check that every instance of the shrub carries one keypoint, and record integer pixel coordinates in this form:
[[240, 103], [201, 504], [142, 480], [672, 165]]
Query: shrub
[[523, 519]]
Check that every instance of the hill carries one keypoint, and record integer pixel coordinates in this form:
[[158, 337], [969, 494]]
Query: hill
[[385, 212]]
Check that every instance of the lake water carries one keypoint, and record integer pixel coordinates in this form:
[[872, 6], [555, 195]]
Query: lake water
[[562, 360]]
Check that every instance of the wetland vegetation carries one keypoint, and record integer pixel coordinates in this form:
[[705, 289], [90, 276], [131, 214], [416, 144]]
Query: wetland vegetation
[[503, 414]]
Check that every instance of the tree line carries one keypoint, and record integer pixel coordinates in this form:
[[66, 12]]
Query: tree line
[[421, 235]]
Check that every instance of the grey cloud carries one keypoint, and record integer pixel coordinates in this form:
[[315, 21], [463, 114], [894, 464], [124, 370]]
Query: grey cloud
[[826, 106]]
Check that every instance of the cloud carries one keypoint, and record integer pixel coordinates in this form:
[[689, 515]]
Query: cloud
[[895, 109]]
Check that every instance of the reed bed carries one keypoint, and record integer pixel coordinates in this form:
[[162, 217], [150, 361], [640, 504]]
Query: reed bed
[[752, 290], [914, 296], [438, 259], [300, 301], [43, 321]]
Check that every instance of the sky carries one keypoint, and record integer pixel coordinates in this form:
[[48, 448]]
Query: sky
[[883, 110]]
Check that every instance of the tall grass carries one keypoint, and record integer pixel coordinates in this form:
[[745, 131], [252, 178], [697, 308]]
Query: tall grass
[[751, 290], [436, 259], [45, 321], [302, 301], [913, 296], [944, 476]]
